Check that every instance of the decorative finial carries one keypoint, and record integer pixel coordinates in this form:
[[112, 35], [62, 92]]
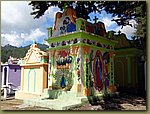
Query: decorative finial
[[119, 32], [95, 19], [34, 45], [34, 42], [65, 7]]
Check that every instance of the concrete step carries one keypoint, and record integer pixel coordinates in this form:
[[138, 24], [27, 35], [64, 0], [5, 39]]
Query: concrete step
[[55, 104]]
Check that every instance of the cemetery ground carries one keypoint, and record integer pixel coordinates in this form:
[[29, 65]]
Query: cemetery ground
[[122, 102]]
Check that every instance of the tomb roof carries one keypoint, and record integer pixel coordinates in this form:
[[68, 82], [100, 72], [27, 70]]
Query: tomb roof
[[34, 54]]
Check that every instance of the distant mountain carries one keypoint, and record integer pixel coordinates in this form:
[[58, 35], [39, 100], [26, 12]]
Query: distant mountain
[[9, 47], [43, 47], [17, 52]]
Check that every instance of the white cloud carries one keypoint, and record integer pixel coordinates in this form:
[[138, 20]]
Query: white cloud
[[112, 25], [128, 30], [15, 15], [107, 21], [35, 34], [51, 12], [12, 15], [17, 23], [17, 39], [13, 38]]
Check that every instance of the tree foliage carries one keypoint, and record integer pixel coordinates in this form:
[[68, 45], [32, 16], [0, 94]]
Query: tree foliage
[[83, 8]]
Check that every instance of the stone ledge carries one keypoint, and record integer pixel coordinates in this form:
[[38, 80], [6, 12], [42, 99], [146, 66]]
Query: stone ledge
[[23, 95]]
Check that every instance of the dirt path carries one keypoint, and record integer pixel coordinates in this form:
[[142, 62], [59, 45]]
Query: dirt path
[[15, 104], [123, 102]]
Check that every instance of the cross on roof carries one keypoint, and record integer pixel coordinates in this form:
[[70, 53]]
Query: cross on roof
[[119, 32], [34, 41], [65, 7], [95, 19]]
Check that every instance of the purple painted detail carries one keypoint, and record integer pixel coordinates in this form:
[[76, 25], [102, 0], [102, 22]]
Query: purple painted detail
[[78, 59], [12, 75]]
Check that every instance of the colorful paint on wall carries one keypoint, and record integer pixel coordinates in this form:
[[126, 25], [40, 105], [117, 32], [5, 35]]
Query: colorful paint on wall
[[64, 59], [78, 68], [64, 22], [62, 66], [98, 71], [89, 65], [106, 60], [10, 76], [68, 26], [63, 79], [97, 28]]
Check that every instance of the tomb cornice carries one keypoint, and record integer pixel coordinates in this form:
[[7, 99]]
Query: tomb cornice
[[128, 51], [82, 35], [33, 64], [79, 44]]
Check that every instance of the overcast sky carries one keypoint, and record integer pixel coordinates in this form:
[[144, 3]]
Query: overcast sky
[[18, 28]]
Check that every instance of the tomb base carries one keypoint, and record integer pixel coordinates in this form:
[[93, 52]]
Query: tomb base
[[25, 95], [112, 89], [78, 87], [86, 91]]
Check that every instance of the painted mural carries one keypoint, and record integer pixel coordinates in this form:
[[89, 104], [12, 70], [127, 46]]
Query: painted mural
[[106, 80], [68, 26], [64, 22], [83, 57], [96, 28], [63, 79], [64, 59], [97, 70], [78, 69], [63, 74], [89, 70]]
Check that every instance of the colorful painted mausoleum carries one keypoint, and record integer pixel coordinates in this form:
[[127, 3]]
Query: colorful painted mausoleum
[[81, 56], [83, 59], [129, 73]]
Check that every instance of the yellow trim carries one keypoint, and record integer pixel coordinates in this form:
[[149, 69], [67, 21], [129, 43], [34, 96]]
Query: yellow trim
[[37, 64]]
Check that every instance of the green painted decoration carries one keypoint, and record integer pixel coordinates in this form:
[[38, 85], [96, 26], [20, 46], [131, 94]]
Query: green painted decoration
[[129, 70], [31, 70]]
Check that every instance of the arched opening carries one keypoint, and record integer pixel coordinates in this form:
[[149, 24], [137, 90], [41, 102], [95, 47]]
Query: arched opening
[[32, 80], [119, 73], [5, 75]]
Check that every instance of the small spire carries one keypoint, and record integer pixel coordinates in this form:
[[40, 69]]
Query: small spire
[[119, 32], [95, 19], [34, 41], [34, 45], [65, 7]]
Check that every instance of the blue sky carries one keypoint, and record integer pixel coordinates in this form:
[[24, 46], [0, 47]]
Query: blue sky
[[18, 28]]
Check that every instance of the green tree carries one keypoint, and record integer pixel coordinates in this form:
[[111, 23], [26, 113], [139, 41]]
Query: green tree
[[83, 8]]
